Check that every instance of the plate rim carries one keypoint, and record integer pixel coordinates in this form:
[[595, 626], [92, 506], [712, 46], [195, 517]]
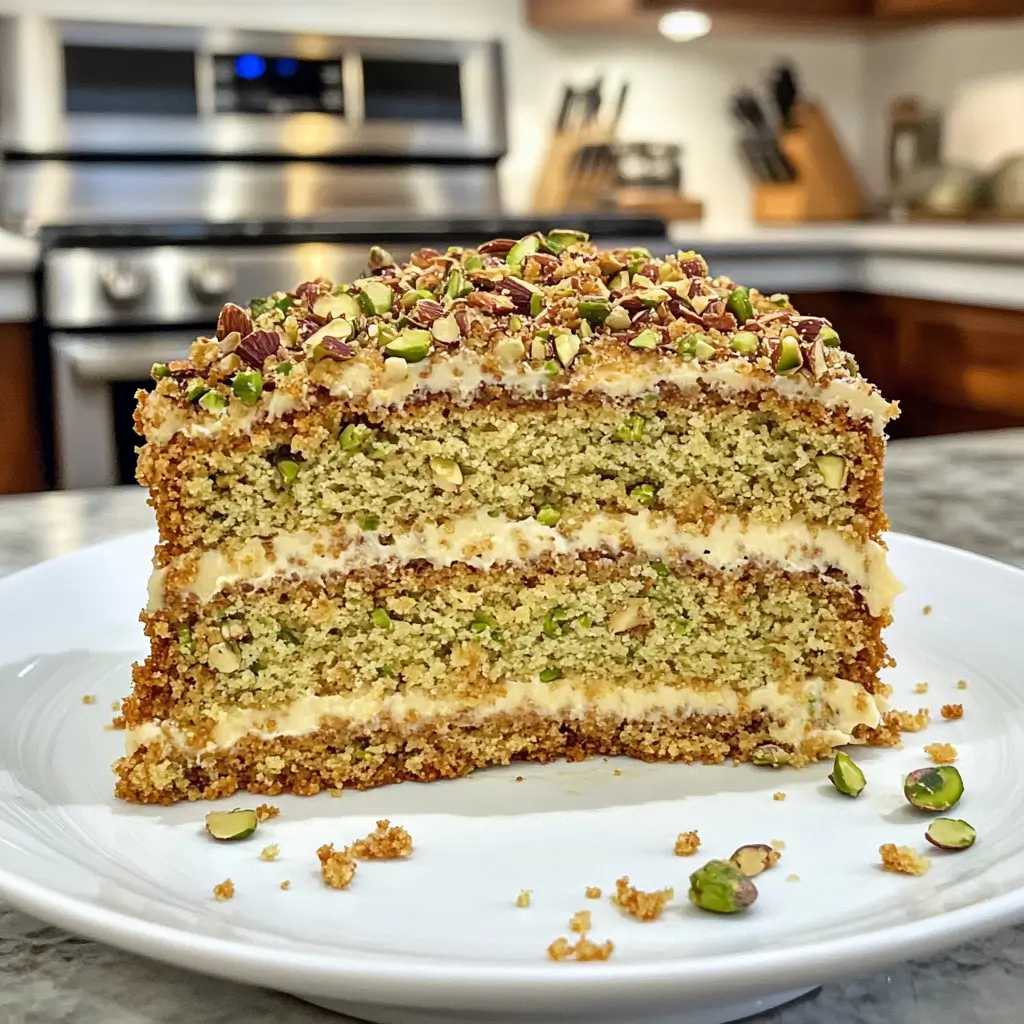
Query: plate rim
[[398, 979]]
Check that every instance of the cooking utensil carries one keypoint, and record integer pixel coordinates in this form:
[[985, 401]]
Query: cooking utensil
[[786, 93], [760, 145]]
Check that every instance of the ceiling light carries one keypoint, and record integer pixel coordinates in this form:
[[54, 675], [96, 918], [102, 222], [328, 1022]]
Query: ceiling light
[[682, 26]]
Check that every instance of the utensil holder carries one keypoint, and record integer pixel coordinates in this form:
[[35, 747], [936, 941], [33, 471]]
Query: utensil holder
[[826, 186]]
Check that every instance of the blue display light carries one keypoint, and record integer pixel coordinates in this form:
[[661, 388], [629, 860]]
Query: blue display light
[[286, 66], [250, 66]]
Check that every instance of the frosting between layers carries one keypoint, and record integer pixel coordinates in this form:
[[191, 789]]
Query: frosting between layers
[[483, 542], [829, 710], [463, 373]]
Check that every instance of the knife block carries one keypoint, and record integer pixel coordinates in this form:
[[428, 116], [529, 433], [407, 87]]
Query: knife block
[[826, 186]]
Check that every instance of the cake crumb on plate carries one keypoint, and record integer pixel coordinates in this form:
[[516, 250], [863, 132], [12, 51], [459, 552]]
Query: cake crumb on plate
[[336, 866], [926, 610], [951, 712], [902, 859], [386, 842], [269, 852], [335, 793], [225, 890], [912, 723], [286, 884], [792, 878], [961, 684], [644, 906], [778, 845], [585, 949], [686, 844], [941, 753], [921, 688], [580, 922], [779, 796], [89, 698], [266, 811], [523, 899], [593, 892]]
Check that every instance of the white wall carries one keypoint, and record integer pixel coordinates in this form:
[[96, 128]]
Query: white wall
[[972, 72], [680, 93]]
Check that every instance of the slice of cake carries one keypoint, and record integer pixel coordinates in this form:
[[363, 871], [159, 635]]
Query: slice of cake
[[532, 500]]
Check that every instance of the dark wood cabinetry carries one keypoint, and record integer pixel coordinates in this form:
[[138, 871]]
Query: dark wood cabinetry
[[642, 15], [952, 367], [21, 464]]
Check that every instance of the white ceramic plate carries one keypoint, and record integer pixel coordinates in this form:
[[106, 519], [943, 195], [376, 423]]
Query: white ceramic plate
[[438, 937]]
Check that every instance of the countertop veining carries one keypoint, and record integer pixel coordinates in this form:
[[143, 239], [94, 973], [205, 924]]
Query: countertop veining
[[966, 490]]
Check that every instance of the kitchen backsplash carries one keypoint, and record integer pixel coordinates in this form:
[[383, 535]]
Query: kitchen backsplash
[[680, 93]]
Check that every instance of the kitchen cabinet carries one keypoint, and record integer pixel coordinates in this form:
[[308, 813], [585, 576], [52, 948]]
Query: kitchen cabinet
[[21, 466], [952, 367], [745, 15], [941, 9]]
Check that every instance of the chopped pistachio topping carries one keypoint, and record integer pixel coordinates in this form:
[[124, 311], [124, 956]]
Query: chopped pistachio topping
[[231, 825], [380, 618], [411, 345], [833, 471], [548, 515], [644, 494], [934, 789], [951, 834], [846, 775], [248, 386], [447, 473], [549, 675], [645, 339], [212, 401], [632, 429]]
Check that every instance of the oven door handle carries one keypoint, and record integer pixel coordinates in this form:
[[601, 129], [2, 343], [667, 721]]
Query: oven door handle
[[95, 361]]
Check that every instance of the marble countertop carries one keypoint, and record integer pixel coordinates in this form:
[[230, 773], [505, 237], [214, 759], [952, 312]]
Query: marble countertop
[[966, 490]]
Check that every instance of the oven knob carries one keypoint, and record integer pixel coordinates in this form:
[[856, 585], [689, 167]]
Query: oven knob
[[211, 280], [123, 283]]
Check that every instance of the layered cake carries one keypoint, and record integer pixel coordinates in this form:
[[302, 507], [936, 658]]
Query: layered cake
[[532, 500]]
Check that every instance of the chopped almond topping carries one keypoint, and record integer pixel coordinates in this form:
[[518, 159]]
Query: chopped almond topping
[[941, 753], [386, 842], [952, 711], [903, 859], [337, 868], [644, 906], [224, 891], [686, 844]]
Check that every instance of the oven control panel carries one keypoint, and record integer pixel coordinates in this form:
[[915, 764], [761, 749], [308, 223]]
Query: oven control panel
[[254, 83]]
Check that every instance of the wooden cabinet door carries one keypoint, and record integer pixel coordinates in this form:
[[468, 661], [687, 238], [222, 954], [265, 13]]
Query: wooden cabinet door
[[21, 465], [938, 9]]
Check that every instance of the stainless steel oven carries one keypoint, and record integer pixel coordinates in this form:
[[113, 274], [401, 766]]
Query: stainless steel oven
[[168, 169], [81, 87]]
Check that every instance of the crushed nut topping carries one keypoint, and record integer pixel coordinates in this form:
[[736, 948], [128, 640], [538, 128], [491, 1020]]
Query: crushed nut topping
[[686, 844], [553, 305], [952, 711], [386, 842], [644, 906], [941, 753], [902, 859]]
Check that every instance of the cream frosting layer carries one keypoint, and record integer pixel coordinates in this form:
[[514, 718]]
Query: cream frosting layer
[[820, 710], [483, 542], [462, 374]]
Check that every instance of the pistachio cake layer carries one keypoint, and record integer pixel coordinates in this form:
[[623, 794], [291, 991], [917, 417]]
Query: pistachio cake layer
[[532, 500]]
